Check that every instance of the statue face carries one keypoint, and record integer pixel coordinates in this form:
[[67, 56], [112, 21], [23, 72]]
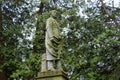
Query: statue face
[[54, 13]]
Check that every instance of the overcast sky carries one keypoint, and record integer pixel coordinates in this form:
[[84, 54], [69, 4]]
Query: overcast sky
[[116, 2]]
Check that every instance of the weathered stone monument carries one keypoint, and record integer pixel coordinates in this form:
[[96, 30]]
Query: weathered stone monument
[[51, 68]]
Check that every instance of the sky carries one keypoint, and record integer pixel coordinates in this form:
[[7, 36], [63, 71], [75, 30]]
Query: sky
[[116, 2]]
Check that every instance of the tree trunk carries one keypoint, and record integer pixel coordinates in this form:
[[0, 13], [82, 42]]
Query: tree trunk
[[0, 18], [38, 37], [2, 74]]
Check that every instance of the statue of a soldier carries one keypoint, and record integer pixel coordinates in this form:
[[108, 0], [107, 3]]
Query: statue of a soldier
[[53, 43]]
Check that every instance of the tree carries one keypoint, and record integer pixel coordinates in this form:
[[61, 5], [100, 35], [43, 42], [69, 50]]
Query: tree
[[89, 45], [91, 41], [91, 37], [2, 74], [14, 30]]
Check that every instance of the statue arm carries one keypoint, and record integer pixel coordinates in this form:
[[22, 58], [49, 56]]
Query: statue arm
[[49, 28]]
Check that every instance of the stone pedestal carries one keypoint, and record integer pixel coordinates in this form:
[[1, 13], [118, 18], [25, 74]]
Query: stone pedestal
[[52, 75]]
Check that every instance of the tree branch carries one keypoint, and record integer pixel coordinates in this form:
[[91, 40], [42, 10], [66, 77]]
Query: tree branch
[[104, 9]]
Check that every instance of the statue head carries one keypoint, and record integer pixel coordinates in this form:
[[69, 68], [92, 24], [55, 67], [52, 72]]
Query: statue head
[[54, 13]]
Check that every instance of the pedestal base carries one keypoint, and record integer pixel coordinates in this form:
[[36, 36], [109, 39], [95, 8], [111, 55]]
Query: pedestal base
[[52, 75]]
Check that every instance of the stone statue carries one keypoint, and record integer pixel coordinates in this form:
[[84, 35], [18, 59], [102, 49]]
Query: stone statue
[[53, 44], [44, 63]]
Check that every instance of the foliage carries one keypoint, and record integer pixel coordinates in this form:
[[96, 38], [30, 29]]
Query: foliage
[[16, 28], [92, 46], [90, 31]]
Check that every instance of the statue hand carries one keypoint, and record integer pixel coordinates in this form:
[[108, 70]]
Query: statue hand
[[53, 40], [57, 38]]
